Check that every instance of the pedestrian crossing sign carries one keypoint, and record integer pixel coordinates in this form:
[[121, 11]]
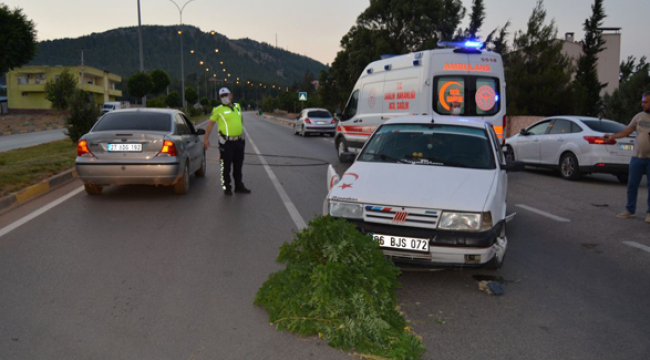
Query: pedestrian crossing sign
[[302, 96]]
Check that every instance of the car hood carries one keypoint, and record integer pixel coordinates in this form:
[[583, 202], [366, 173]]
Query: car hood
[[424, 186]]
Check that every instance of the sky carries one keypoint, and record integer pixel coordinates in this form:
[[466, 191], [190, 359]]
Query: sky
[[312, 27]]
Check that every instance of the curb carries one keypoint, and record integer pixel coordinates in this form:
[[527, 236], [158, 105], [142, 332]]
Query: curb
[[280, 121], [22, 131], [18, 198]]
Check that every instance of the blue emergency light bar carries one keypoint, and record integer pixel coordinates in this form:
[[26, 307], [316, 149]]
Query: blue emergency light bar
[[469, 44]]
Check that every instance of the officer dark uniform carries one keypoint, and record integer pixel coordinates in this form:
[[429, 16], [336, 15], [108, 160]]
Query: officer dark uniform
[[229, 120]]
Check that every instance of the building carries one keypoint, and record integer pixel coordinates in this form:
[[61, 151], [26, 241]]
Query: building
[[608, 60], [26, 85]]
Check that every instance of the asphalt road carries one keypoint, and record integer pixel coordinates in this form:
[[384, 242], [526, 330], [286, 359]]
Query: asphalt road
[[140, 273], [11, 142]]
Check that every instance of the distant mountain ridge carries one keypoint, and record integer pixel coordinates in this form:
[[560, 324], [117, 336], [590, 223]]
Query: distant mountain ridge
[[117, 52]]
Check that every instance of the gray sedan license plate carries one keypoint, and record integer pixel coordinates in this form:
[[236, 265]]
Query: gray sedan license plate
[[124, 147], [321, 122], [397, 242], [627, 147]]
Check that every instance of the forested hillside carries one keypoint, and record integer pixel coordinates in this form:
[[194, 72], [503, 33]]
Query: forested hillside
[[117, 51]]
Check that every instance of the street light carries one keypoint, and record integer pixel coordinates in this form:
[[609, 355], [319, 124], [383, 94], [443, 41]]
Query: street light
[[180, 33]]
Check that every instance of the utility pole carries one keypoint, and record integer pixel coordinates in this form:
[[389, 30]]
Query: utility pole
[[82, 67], [144, 98]]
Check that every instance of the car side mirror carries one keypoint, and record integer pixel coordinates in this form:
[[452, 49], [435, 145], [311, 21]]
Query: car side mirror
[[347, 157], [523, 132], [513, 166], [200, 132]]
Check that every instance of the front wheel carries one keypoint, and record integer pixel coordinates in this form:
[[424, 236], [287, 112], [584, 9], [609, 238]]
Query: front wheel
[[509, 153], [341, 148], [569, 167], [182, 187], [201, 171], [93, 190]]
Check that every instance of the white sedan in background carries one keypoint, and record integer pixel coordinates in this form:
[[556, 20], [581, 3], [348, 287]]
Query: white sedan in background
[[574, 145]]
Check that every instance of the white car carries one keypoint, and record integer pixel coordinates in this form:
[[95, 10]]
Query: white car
[[430, 192], [315, 121], [574, 145]]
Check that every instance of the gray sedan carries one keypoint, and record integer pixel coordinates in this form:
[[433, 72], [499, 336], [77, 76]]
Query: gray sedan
[[141, 146]]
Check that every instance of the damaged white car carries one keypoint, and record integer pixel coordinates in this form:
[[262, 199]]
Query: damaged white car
[[430, 192]]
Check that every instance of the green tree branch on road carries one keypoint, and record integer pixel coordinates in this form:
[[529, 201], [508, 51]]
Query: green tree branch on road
[[587, 98], [60, 91], [17, 39]]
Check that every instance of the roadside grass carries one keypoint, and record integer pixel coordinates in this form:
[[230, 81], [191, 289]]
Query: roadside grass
[[25, 167]]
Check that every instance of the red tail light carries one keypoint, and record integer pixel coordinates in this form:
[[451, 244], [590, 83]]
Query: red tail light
[[308, 121], [597, 140], [333, 121], [168, 149], [82, 148]]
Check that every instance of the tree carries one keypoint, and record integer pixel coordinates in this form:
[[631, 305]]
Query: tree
[[537, 72], [60, 91], [190, 95], [173, 100], [391, 27], [17, 39], [160, 81], [625, 102], [499, 38], [83, 115], [139, 84], [476, 18], [587, 86]]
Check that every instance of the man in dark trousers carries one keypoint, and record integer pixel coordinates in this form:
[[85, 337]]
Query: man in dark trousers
[[640, 161], [230, 125]]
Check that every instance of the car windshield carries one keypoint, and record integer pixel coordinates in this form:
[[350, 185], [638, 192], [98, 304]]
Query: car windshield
[[430, 144], [134, 121], [108, 106], [604, 126], [319, 114]]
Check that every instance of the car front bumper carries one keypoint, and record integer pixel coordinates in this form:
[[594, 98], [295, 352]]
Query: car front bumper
[[129, 173], [446, 248]]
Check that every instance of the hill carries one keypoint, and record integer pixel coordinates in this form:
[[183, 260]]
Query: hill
[[117, 51]]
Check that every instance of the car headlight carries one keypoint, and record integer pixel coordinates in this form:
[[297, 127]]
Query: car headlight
[[462, 221], [346, 210]]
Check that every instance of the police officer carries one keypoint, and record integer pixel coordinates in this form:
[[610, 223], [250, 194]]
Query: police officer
[[230, 124]]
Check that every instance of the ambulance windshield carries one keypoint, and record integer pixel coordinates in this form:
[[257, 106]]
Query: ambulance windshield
[[466, 95]]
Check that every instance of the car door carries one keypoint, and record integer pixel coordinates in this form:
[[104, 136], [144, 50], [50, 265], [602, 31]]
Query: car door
[[196, 146], [187, 145], [528, 144], [553, 143]]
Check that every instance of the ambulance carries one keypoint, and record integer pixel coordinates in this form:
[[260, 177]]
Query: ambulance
[[463, 82]]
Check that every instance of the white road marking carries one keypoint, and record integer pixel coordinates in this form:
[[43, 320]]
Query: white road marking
[[637, 245], [543, 213], [291, 208], [27, 218]]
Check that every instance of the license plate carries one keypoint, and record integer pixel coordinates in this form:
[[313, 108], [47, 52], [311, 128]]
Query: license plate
[[626, 147], [398, 242], [321, 122], [125, 147]]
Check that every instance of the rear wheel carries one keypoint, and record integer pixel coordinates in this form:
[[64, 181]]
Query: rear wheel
[[569, 167], [341, 148], [302, 132], [182, 187], [201, 171], [510, 153], [622, 178], [92, 189]]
